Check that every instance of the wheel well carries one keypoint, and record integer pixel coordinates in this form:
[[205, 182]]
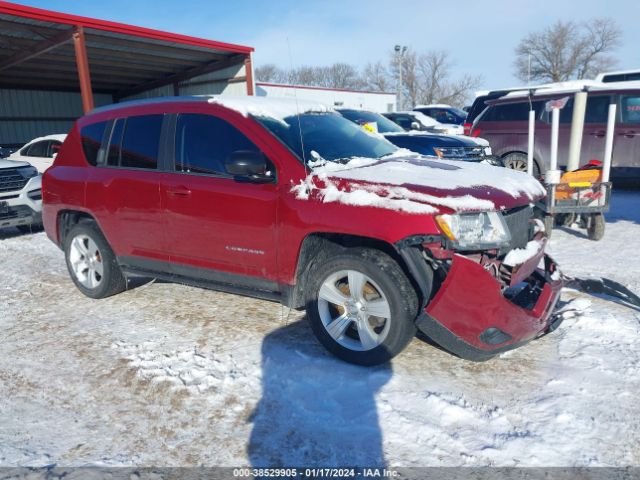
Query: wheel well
[[67, 219], [319, 246]]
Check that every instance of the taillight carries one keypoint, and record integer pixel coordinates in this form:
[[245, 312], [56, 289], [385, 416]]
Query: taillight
[[467, 128], [475, 132]]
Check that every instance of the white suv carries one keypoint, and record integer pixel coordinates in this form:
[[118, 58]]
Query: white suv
[[39, 152], [20, 195]]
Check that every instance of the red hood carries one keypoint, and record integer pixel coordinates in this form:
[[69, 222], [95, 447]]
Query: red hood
[[458, 186]]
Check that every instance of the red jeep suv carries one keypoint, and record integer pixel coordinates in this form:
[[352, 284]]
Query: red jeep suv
[[291, 202]]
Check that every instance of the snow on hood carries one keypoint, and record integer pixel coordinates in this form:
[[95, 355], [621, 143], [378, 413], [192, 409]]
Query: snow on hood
[[277, 108], [417, 184], [5, 163]]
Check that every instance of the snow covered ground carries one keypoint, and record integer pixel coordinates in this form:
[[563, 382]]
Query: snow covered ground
[[168, 375]]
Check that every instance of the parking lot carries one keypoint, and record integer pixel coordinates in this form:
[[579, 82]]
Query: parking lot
[[169, 375]]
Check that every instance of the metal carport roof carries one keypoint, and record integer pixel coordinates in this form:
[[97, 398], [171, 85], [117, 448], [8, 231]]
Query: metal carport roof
[[46, 50]]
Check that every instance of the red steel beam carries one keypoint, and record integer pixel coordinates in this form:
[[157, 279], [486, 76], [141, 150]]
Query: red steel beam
[[248, 71], [8, 8], [82, 63]]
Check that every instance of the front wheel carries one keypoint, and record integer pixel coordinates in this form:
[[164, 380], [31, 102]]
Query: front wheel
[[361, 306]]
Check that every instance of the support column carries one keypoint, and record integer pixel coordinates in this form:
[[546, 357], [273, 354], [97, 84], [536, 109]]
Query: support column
[[82, 65], [248, 69]]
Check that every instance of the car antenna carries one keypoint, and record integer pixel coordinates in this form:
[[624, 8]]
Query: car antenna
[[295, 96]]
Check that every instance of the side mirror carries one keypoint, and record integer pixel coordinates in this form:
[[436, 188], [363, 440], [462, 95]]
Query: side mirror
[[415, 126], [247, 165]]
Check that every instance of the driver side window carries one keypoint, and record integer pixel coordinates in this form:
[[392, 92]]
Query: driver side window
[[204, 143]]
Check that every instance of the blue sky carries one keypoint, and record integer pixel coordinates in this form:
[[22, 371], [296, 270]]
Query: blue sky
[[480, 34]]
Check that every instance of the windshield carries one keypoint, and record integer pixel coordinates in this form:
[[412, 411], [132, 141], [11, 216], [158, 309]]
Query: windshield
[[361, 117], [329, 135], [460, 113]]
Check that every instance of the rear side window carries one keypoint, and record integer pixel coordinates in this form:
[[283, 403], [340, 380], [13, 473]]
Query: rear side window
[[140, 142], [510, 112], [134, 142], [630, 108], [204, 143], [597, 109], [38, 149], [404, 121], [91, 137]]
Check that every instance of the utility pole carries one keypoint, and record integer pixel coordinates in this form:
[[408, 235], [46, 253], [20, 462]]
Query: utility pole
[[400, 51]]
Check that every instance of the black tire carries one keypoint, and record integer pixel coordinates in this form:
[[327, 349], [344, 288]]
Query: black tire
[[392, 283], [518, 161], [111, 280], [595, 228], [549, 222]]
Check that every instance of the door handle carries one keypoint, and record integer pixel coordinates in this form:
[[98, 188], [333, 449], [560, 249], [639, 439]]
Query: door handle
[[599, 134], [179, 191], [629, 134]]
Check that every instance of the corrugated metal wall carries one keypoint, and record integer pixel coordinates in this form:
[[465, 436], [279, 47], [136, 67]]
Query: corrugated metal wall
[[26, 114], [222, 82]]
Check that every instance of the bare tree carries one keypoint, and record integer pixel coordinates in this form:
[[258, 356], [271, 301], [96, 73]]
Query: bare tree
[[427, 78], [343, 75], [567, 50], [269, 73], [375, 76]]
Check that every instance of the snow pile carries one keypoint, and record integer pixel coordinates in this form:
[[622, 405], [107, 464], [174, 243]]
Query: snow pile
[[276, 108], [184, 369], [518, 256]]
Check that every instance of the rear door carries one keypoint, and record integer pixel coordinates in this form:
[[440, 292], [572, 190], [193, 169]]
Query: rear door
[[626, 151], [219, 228], [595, 127], [123, 191]]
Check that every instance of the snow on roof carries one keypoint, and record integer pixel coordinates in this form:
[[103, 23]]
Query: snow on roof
[[278, 108], [421, 117], [573, 86], [434, 105], [56, 136], [601, 75]]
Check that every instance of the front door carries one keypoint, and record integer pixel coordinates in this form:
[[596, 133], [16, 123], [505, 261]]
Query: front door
[[216, 224]]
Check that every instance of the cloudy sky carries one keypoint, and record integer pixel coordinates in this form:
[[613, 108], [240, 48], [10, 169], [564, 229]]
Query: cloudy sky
[[479, 34]]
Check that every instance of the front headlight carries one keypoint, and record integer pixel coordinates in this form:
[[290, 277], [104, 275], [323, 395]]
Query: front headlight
[[487, 151], [475, 231], [28, 172]]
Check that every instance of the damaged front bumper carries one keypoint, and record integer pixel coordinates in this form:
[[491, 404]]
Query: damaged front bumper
[[474, 316]]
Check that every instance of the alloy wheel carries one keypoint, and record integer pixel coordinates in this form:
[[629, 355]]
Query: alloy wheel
[[354, 311], [86, 261]]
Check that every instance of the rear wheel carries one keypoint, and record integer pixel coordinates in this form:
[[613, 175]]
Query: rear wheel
[[91, 262], [361, 306], [518, 161], [595, 227]]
